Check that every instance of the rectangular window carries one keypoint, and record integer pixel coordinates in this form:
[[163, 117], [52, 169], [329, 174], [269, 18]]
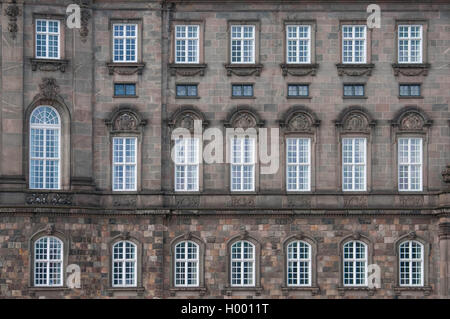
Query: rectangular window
[[124, 163], [186, 164], [186, 43], [409, 164], [298, 44], [187, 90], [242, 90], [242, 44], [353, 44], [298, 164], [353, 89], [47, 39], [242, 164], [354, 164], [298, 90], [409, 44], [409, 90], [125, 42], [124, 89]]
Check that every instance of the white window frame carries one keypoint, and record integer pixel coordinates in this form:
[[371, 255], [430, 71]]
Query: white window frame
[[186, 40], [189, 144], [353, 39], [242, 163], [123, 262], [187, 260], [124, 42], [241, 45], [124, 164], [243, 260], [296, 42], [47, 261], [298, 164], [299, 260], [353, 165], [409, 164], [45, 127], [409, 38], [411, 260], [47, 34], [354, 260]]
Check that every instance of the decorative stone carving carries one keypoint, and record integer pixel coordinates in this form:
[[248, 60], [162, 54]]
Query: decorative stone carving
[[355, 69], [187, 121], [243, 69], [49, 89], [446, 174], [244, 121], [54, 199], [125, 120], [412, 235], [356, 123], [187, 201], [444, 230], [411, 201], [242, 202], [125, 68], [84, 31], [411, 122], [355, 119], [124, 202], [299, 123], [243, 235], [188, 236], [299, 202], [50, 229], [12, 11], [187, 69], [299, 69], [355, 201], [125, 235], [411, 69], [48, 65]]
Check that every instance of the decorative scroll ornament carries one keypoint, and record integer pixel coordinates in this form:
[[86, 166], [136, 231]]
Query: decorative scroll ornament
[[13, 11], [356, 123], [244, 121], [49, 88], [187, 69], [355, 69], [243, 69], [84, 31], [125, 122], [411, 69], [411, 121], [299, 69], [55, 199], [299, 123]]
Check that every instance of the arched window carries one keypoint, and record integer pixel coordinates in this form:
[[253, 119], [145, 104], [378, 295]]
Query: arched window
[[124, 264], [242, 264], [411, 263], [48, 261], [186, 264], [45, 153], [299, 264], [355, 264]]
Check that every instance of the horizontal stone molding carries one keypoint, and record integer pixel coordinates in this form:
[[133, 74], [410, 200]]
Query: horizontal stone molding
[[355, 69], [243, 69], [408, 69], [299, 69], [187, 69], [125, 68], [425, 290], [48, 65]]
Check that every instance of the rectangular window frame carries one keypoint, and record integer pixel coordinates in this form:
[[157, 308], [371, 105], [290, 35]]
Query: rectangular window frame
[[353, 39], [187, 39], [409, 96], [242, 89], [124, 38], [47, 34], [308, 164], [243, 164], [135, 164], [125, 95], [409, 40], [187, 163], [307, 85], [186, 96], [353, 165], [242, 38], [353, 85], [297, 39], [409, 164]]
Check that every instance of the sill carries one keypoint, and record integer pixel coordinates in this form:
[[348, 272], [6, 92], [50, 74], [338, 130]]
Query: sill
[[410, 97], [49, 288], [299, 97], [228, 291], [200, 290], [49, 65], [138, 290], [188, 97], [243, 97], [314, 290], [125, 96], [354, 97], [355, 69], [299, 69], [343, 289], [411, 69], [33, 290], [187, 69], [243, 69], [426, 290], [125, 68]]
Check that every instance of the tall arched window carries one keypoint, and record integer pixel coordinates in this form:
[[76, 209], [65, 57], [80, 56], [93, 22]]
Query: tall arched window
[[186, 264], [242, 264], [124, 263], [355, 264], [45, 153], [299, 263], [411, 263], [48, 261]]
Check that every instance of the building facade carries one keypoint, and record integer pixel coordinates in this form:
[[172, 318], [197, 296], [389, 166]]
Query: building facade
[[88, 185]]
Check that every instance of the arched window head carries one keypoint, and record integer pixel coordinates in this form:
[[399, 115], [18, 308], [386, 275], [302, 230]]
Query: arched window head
[[45, 148], [411, 263], [242, 264], [48, 262], [299, 263], [355, 263], [124, 264], [186, 264]]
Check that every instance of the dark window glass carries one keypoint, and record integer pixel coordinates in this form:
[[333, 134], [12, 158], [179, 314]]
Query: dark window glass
[[187, 90], [298, 90], [353, 90], [124, 89], [409, 90], [242, 90]]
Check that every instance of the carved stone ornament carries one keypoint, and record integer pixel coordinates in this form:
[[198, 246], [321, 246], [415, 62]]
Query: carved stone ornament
[[12, 11], [299, 123], [355, 69], [444, 230], [356, 123], [411, 69], [125, 235], [125, 68], [299, 236], [355, 201], [187, 69], [299, 69], [54, 199], [244, 121], [84, 30], [446, 174], [356, 235], [187, 236], [243, 235], [186, 121], [47, 65], [411, 122], [243, 69], [412, 235], [125, 122], [50, 229]]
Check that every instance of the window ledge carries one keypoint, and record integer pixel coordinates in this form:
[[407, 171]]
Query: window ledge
[[425, 289], [33, 290], [228, 291], [299, 69], [138, 290], [125, 68], [410, 97], [125, 96], [243, 69], [188, 97], [243, 97], [314, 290], [299, 97], [49, 65], [186, 69], [342, 290], [354, 97], [356, 69], [200, 290], [411, 69]]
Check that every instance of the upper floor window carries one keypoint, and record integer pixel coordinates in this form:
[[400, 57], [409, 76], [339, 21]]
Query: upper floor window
[[187, 164], [45, 133], [48, 262], [186, 264], [48, 36], [124, 89], [410, 44], [409, 90], [410, 164], [354, 44], [125, 42], [242, 44], [124, 163], [411, 263], [298, 90], [354, 90], [124, 264], [355, 264], [242, 164], [242, 90], [354, 164], [298, 44], [242, 264], [187, 43], [299, 264], [298, 164], [187, 90]]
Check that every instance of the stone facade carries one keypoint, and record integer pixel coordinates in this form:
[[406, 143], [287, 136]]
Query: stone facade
[[88, 215]]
